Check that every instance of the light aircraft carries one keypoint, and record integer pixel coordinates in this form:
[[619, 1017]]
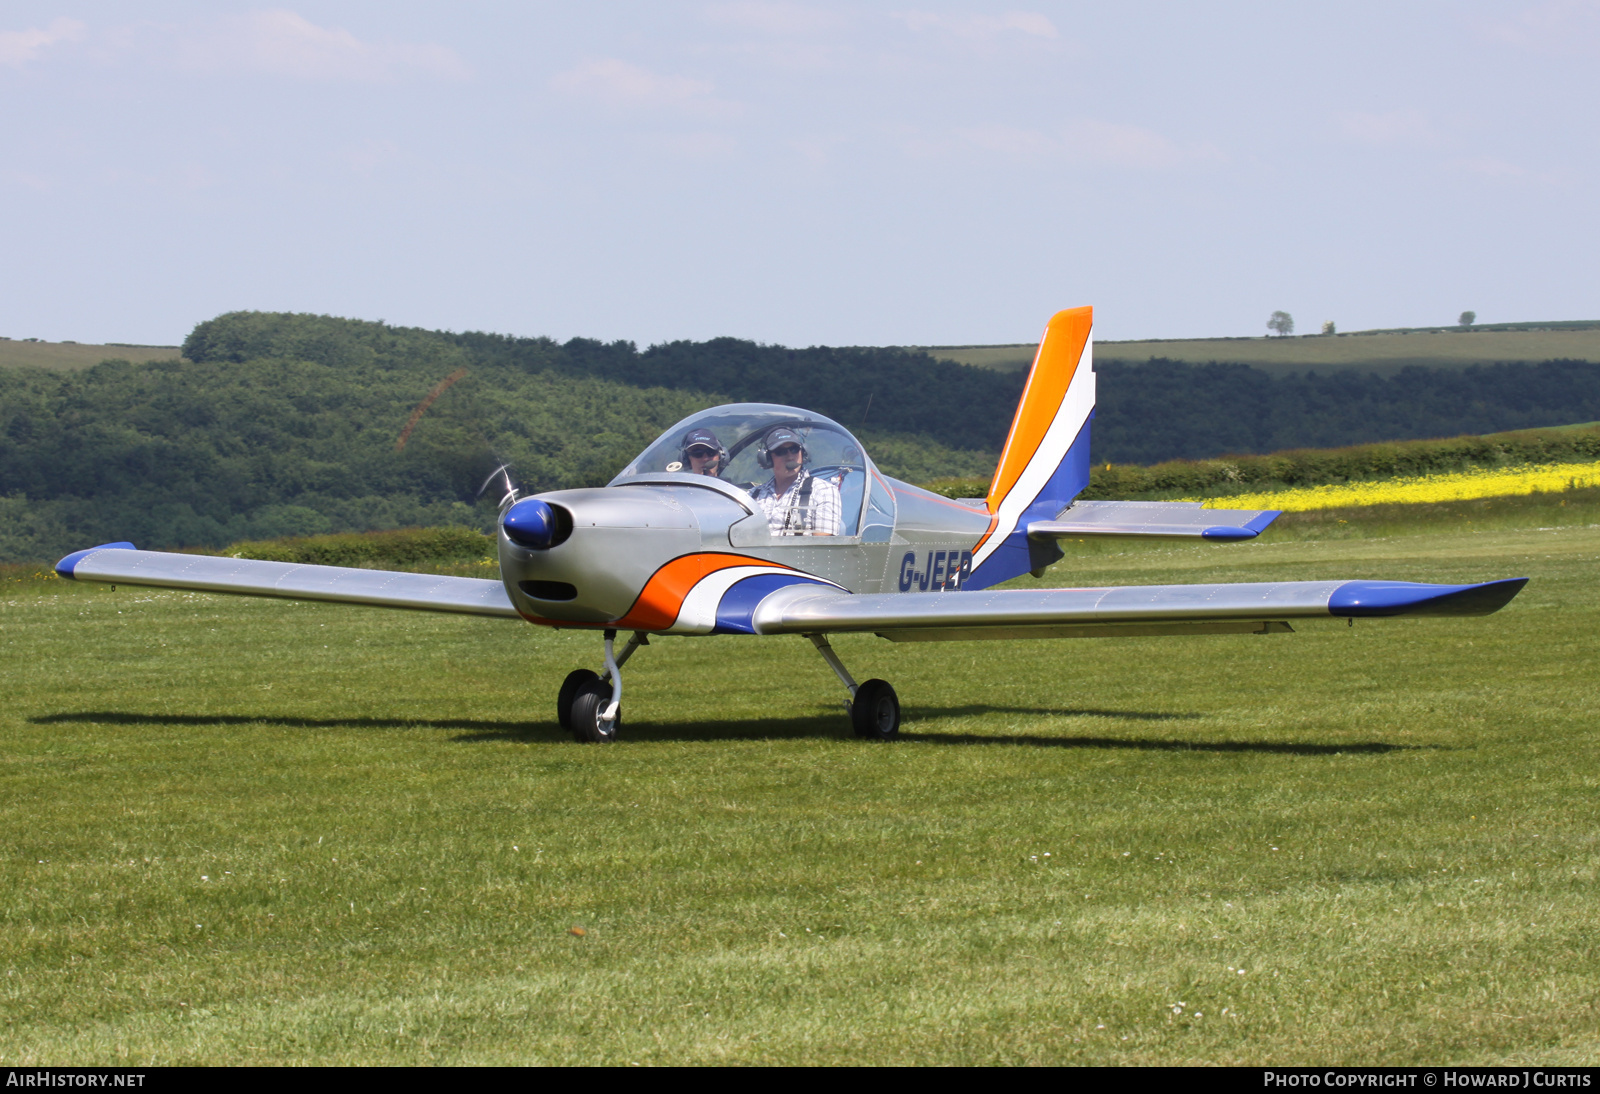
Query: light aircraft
[[661, 550]]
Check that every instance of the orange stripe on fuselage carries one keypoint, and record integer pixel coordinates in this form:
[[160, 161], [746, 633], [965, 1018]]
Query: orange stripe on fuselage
[[662, 596], [1054, 365]]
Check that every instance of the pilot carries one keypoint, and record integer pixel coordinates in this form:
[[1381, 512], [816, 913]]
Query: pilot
[[703, 454], [796, 502]]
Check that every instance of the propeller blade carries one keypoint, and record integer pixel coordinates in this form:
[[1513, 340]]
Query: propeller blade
[[503, 473]]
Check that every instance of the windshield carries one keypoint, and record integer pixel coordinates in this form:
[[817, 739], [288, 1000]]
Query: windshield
[[737, 432]]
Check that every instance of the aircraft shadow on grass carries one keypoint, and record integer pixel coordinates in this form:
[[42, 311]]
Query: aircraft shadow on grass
[[830, 725]]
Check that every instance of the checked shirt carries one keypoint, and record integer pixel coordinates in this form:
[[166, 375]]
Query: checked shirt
[[786, 517]]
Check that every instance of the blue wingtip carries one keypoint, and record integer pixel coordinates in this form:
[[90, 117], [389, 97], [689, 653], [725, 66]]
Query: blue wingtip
[[1372, 599], [1250, 529], [70, 563]]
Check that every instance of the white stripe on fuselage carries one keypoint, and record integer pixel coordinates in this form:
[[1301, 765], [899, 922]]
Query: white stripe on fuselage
[[698, 615]]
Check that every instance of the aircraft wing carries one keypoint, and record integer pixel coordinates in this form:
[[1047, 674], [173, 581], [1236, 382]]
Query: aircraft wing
[[121, 564], [1245, 608], [1168, 519]]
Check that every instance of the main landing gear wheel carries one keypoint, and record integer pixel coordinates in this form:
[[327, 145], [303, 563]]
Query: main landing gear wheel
[[588, 710], [569, 691], [875, 712]]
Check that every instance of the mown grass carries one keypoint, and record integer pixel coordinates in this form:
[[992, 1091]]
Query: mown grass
[[71, 356], [257, 831], [1382, 352]]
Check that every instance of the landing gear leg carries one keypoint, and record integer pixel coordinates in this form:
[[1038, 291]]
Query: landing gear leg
[[595, 710], [874, 707]]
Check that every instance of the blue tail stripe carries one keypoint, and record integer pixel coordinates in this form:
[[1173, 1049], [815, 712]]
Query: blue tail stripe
[[1018, 555]]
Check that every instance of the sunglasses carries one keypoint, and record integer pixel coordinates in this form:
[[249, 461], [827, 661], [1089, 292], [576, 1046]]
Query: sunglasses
[[700, 452], [786, 450]]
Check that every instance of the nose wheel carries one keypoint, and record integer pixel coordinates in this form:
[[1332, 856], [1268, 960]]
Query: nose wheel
[[570, 687], [874, 707], [589, 707], [590, 703]]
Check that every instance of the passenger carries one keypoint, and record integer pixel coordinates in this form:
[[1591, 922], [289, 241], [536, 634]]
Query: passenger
[[796, 502], [703, 454]]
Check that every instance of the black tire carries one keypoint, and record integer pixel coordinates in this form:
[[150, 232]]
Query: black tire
[[875, 712], [591, 701], [569, 691]]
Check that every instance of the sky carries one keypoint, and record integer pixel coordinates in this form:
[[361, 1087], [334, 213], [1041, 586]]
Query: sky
[[905, 173]]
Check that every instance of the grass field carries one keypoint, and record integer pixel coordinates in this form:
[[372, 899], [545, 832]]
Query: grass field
[[250, 831], [71, 356], [1381, 353]]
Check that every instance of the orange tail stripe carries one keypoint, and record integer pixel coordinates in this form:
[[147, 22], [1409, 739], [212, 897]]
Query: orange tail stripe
[[662, 597], [1053, 368]]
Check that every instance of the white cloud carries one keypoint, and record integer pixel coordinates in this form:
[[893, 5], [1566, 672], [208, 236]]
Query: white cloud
[[816, 151], [1132, 146], [1492, 168], [695, 147], [369, 155], [1095, 142], [772, 17], [284, 43], [618, 83], [1560, 27], [980, 27], [20, 46], [1391, 127], [40, 183], [1011, 141]]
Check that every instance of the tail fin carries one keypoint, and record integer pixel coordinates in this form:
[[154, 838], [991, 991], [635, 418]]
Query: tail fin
[[1045, 462]]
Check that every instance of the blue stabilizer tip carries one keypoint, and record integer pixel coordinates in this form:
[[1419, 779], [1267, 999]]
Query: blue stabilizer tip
[[1250, 529]]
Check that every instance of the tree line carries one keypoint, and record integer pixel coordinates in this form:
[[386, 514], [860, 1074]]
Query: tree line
[[279, 424]]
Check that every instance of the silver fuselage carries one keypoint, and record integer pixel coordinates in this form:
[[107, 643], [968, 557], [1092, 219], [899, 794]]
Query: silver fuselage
[[624, 534]]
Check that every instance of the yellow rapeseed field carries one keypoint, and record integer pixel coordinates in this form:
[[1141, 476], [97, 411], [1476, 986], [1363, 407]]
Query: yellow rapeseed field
[[1459, 486]]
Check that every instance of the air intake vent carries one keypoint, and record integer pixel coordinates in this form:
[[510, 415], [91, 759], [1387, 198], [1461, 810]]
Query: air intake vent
[[548, 590]]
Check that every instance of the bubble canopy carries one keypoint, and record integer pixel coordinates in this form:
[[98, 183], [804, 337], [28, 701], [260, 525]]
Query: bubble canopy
[[740, 429], [832, 453]]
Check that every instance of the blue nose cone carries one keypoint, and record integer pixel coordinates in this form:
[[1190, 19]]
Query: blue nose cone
[[531, 523]]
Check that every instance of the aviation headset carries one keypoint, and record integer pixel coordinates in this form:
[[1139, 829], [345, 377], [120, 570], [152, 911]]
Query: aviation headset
[[722, 454], [764, 456], [698, 438]]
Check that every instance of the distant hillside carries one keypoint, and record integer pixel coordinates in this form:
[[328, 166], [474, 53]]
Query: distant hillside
[[1164, 410], [1383, 352], [274, 424], [70, 356], [289, 425], [893, 390]]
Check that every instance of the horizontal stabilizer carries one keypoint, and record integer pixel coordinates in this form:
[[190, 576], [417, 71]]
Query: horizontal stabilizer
[[119, 563], [1167, 519]]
